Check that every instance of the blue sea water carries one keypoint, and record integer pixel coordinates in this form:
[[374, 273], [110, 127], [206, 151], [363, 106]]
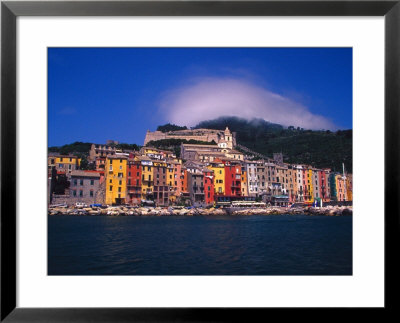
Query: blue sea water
[[200, 245]]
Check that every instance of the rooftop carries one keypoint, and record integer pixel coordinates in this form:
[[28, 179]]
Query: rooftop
[[84, 173]]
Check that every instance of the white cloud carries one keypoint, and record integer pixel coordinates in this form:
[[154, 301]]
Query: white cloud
[[209, 98]]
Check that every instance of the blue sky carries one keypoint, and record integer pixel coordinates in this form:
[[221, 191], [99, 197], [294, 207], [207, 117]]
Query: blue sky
[[95, 94]]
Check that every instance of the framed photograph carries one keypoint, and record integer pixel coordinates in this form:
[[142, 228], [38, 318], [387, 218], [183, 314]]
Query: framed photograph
[[201, 157]]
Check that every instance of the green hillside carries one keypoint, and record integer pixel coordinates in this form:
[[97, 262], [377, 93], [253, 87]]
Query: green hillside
[[74, 148], [317, 148]]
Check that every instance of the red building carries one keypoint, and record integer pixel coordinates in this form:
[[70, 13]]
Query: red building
[[324, 183], [184, 180], [133, 181], [232, 179], [208, 186]]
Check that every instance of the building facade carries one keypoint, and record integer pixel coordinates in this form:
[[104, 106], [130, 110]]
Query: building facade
[[116, 180], [85, 187], [133, 181]]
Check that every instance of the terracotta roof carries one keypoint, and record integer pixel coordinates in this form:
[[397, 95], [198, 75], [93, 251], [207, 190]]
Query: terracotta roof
[[84, 173]]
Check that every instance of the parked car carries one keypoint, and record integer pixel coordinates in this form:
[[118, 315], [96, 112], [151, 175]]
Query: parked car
[[80, 205]]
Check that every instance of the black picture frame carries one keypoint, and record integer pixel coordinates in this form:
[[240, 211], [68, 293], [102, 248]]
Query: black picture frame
[[10, 10]]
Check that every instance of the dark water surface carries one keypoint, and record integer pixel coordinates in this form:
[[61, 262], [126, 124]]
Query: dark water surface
[[200, 245]]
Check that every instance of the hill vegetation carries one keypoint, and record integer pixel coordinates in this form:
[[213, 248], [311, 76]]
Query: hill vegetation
[[76, 147], [317, 148], [170, 127]]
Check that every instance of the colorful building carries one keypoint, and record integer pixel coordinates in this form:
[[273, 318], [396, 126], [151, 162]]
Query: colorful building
[[177, 178], [115, 182], [184, 180], [243, 182], [349, 187], [341, 188], [316, 182], [147, 177], [134, 181], [196, 186], [232, 179], [252, 179], [337, 184], [161, 189], [63, 163], [85, 187], [218, 169], [208, 186], [308, 184], [99, 150]]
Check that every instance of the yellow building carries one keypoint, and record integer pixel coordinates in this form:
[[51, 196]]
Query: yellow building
[[219, 177], [63, 163], [349, 187], [243, 182], [147, 177], [115, 173], [310, 191]]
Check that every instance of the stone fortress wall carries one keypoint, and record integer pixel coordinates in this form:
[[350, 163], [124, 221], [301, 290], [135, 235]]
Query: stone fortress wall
[[195, 134]]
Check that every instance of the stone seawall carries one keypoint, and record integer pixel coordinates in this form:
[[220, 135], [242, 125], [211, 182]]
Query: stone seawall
[[158, 211]]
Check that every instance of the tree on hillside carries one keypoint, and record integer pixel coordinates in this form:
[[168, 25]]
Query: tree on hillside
[[170, 127]]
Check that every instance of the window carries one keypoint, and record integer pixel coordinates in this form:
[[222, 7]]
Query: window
[[120, 182], [119, 189], [92, 182], [75, 182], [74, 192], [111, 188], [81, 182], [91, 193], [110, 181], [80, 193]]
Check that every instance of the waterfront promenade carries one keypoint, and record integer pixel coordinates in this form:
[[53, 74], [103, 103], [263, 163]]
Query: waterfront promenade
[[159, 211]]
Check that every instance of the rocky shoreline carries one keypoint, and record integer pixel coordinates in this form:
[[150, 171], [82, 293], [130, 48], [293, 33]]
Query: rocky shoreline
[[159, 211]]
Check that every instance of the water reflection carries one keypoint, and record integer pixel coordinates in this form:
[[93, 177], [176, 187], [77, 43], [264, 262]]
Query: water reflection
[[248, 245]]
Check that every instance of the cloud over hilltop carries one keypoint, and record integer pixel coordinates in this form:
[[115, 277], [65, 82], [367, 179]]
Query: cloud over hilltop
[[209, 98]]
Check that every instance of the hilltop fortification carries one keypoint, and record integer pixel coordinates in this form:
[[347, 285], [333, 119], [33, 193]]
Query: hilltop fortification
[[224, 138]]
